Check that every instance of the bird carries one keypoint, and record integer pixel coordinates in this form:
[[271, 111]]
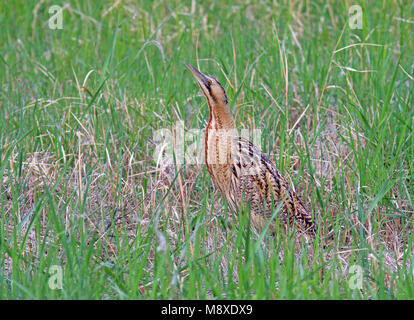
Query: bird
[[242, 172]]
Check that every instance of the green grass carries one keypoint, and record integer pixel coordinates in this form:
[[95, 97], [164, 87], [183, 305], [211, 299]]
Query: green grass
[[79, 187]]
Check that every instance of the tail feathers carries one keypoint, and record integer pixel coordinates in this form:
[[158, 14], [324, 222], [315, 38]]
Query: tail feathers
[[304, 219]]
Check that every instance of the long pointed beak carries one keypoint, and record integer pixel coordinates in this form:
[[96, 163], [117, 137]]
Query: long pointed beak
[[201, 78]]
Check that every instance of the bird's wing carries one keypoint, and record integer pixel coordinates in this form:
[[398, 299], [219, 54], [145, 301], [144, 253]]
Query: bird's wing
[[255, 179]]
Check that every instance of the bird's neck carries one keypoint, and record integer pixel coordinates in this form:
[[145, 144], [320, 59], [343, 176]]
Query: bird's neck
[[221, 117]]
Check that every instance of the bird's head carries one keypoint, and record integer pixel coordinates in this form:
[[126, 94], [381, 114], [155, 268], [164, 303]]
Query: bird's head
[[211, 88]]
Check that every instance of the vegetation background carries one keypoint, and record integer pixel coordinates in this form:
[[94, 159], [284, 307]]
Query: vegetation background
[[86, 212]]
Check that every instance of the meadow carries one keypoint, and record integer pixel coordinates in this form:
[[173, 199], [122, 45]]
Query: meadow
[[86, 211]]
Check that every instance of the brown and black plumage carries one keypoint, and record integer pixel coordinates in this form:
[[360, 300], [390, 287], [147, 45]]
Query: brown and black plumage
[[241, 171]]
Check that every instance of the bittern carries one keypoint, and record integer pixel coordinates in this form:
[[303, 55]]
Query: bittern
[[244, 175]]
